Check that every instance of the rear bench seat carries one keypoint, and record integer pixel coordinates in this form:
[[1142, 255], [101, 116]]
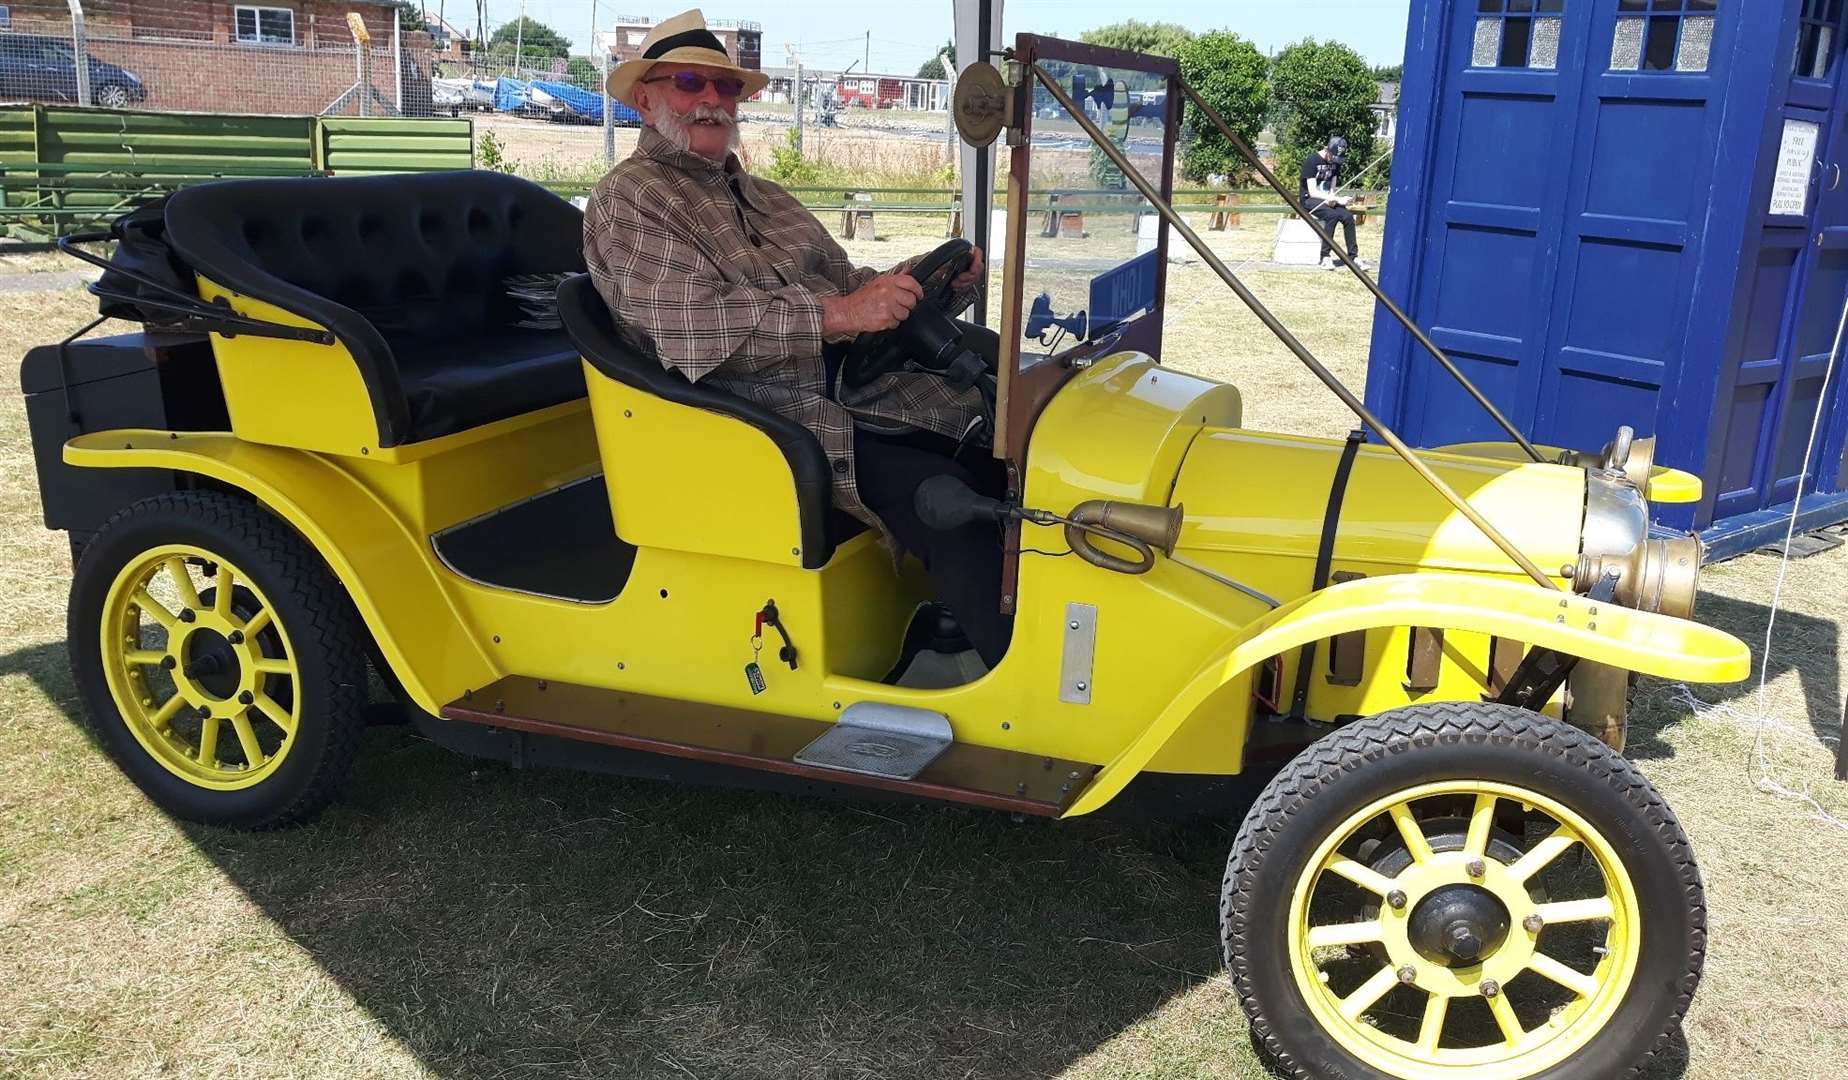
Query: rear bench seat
[[408, 272]]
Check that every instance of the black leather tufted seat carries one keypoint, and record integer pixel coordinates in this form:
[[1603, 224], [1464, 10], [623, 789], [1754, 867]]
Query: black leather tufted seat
[[592, 328], [407, 272]]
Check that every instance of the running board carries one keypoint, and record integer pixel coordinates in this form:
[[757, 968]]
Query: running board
[[961, 773]]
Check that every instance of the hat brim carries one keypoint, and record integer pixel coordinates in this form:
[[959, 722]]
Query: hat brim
[[623, 78]]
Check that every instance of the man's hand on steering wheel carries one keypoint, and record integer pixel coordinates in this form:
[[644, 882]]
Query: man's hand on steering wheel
[[880, 304], [971, 277], [926, 335]]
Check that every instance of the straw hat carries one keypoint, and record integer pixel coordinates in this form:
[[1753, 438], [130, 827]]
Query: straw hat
[[682, 39]]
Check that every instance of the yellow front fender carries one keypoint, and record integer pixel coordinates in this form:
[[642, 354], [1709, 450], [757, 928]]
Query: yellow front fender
[[380, 561], [1595, 630]]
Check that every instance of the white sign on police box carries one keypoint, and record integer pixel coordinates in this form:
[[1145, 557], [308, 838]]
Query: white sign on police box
[[1796, 158]]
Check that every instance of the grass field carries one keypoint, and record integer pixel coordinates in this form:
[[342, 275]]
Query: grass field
[[457, 919]]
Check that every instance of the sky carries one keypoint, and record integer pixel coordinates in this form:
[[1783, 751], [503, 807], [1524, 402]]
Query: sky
[[830, 34]]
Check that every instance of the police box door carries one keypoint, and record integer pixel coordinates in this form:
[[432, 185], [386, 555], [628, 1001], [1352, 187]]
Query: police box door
[[1573, 151]]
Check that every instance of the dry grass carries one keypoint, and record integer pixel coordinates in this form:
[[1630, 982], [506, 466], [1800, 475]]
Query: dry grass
[[453, 919]]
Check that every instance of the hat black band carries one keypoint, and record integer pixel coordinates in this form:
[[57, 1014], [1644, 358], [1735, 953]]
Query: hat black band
[[702, 38]]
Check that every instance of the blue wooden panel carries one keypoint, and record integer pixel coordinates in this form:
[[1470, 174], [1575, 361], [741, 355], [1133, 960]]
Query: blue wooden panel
[[1500, 303], [1626, 299], [1739, 456], [1591, 406], [1509, 144], [1645, 153]]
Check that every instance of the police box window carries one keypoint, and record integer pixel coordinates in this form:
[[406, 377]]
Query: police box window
[[1517, 34], [1817, 39], [265, 25], [1664, 35]]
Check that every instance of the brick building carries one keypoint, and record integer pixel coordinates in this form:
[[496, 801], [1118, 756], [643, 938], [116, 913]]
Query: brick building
[[292, 57], [302, 24], [743, 40]]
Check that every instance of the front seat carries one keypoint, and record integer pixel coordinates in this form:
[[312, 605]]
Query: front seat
[[593, 330]]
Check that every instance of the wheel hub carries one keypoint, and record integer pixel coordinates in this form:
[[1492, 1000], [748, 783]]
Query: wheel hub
[[212, 663], [1458, 925]]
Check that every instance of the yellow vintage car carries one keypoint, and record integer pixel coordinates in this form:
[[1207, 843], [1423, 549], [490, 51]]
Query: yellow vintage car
[[353, 438]]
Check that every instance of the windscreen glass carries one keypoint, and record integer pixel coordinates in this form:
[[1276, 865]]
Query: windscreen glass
[[1091, 239]]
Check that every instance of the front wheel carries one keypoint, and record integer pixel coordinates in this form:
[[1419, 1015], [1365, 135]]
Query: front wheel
[[219, 661], [1462, 890]]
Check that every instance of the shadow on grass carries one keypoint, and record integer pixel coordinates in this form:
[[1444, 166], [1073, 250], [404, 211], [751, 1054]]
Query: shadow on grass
[[548, 923], [1805, 644], [501, 923]]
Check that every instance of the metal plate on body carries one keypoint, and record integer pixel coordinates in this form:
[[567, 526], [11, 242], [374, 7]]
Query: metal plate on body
[[876, 739], [1078, 654]]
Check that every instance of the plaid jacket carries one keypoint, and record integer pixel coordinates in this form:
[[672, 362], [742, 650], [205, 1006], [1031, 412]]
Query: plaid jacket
[[720, 275]]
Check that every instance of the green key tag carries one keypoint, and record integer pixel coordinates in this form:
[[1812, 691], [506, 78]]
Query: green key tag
[[755, 676]]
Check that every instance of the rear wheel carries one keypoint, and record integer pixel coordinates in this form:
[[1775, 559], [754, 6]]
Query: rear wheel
[[1462, 890], [219, 661], [112, 96]]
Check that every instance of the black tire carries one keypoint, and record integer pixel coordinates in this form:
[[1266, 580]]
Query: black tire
[[323, 629], [1399, 750], [113, 96]]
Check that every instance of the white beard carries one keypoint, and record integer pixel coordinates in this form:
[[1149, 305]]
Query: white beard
[[676, 127]]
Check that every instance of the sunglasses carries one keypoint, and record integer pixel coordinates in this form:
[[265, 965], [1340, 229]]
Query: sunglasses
[[692, 82]]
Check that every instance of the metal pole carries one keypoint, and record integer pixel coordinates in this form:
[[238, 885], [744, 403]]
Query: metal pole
[[1366, 279], [1283, 334], [397, 66], [867, 65], [519, 41], [81, 46], [799, 95], [949, 104]]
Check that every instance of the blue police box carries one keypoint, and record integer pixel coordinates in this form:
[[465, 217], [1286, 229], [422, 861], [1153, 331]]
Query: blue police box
[[1628, 211]]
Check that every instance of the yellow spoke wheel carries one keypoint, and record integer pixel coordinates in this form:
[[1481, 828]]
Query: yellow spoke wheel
[[1462, 890], [201, 670], [219, 661]]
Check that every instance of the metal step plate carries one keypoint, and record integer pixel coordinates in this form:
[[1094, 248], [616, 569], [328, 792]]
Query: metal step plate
[[875, 739]]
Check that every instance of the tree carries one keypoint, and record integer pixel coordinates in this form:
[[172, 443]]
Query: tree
[[1232, 75], [1322, 90], [410, 16], [1162, 39], [537, 42], [582, 72], [934, 69]]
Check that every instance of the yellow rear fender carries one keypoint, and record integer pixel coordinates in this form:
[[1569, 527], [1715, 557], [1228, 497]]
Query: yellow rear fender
[[1599, 631], [382, 563]]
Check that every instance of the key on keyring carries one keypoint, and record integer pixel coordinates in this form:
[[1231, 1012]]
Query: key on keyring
[[753, 674]]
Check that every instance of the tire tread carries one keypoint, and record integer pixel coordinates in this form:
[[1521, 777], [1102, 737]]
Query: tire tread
[[1403, 730]]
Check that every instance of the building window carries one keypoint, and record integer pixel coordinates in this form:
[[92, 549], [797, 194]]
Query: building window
[[1517, 33], [1665, 35], [1816, 39], [265, 26]]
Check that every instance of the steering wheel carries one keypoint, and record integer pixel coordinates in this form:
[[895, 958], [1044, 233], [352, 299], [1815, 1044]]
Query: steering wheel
[[928, 335]]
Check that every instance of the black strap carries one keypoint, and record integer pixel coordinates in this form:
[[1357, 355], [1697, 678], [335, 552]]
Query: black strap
[[701, 38], [1324, 555]]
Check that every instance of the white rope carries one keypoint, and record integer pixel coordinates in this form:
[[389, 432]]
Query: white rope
[[1761, 720]]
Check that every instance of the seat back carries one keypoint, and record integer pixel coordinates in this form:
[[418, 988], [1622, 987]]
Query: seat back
[[404, 260], [594, 331]]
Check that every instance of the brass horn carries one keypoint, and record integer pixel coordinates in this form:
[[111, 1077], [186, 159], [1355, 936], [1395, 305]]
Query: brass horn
[[1142, 528]]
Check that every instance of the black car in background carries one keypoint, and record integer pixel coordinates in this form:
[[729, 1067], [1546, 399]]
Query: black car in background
[[34, 67]]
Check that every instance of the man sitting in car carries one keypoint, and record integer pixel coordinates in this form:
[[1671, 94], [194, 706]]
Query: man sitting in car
[[727, 278]]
